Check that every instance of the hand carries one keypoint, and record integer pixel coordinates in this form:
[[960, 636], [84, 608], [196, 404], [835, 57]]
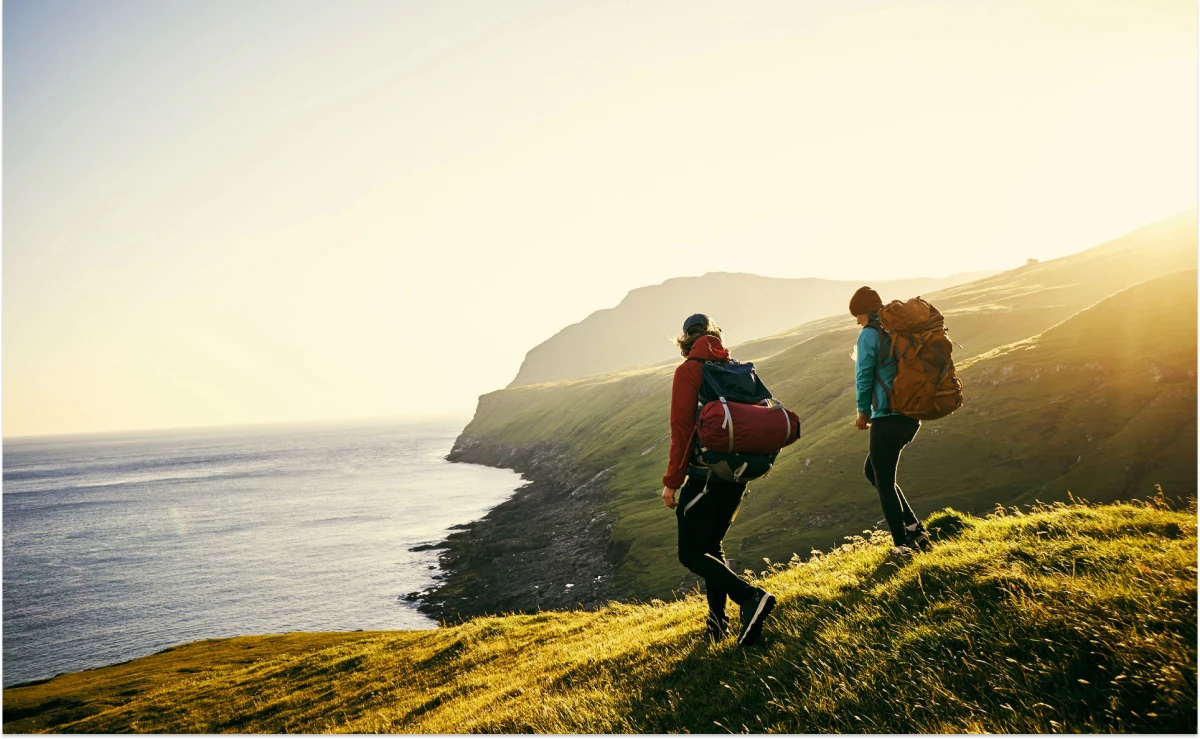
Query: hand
[[862, 422], [669, 497]]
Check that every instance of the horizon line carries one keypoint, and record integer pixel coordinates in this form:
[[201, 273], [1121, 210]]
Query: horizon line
[[429, 417]]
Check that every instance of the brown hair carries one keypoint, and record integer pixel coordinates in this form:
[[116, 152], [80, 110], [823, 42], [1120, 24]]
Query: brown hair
[[685, 341]]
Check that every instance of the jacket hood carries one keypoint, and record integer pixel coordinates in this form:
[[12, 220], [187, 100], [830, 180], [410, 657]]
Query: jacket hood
[[708, 348]]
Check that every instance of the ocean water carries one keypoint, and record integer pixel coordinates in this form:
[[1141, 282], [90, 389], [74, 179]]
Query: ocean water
[[118, 546]]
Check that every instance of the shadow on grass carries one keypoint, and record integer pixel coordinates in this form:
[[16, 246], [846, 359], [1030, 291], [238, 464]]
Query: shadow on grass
[[941, 650], [699, 694], [946, 524]]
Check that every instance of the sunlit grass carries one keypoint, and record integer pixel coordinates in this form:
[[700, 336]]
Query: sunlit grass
[[1059, 618]]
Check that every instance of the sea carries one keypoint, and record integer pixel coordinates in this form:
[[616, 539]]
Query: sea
[[117, 546]]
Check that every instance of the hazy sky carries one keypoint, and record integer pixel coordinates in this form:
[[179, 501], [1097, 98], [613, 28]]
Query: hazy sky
[[251, 211]]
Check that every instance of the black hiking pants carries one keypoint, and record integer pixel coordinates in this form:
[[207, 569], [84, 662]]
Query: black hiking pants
[[705, 509], [889, 435]]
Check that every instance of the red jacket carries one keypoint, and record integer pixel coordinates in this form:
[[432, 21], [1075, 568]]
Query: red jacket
[[685, 393]]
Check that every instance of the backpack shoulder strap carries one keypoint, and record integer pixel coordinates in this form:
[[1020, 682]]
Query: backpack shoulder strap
[[887, 391], [882, 335]]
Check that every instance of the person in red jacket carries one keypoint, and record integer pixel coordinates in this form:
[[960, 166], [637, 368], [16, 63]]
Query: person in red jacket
[[706, 505]]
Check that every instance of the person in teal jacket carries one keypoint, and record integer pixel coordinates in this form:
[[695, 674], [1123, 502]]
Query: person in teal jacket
[[890, 432]]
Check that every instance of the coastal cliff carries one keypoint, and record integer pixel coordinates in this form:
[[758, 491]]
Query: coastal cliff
[[544, 548]]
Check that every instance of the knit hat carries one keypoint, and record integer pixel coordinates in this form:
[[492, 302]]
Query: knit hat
[[865, 300]]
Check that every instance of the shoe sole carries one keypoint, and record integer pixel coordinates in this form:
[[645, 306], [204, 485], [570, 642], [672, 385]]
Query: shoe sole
[[754, 628]]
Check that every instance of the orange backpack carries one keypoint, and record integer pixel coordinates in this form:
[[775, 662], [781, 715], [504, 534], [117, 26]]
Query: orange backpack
[[926, 386]]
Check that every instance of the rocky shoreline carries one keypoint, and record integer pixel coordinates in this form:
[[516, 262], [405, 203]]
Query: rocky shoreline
[[542, 549]]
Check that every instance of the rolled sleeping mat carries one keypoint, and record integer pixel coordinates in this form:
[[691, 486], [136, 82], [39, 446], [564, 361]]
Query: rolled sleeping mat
[[753, 429]]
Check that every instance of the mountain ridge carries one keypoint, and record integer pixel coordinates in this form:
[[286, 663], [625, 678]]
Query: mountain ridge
[[746, 305]]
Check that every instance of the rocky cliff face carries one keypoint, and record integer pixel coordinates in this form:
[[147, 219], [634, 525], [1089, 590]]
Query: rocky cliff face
[[544, 548]]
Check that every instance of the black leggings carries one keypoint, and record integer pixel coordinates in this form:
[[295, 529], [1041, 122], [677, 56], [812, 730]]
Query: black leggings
[[705, 509], [889, 435]]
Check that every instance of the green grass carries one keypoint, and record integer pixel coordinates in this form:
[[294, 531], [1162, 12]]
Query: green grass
[[1079, 373], [1053, 618], [41, 705]]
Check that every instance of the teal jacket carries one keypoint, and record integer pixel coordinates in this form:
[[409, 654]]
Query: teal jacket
[[870, 359]]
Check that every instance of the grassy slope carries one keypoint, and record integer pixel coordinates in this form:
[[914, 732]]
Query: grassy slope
[[43, 704], [1072, 408], [1060, 618], [1018, 437]]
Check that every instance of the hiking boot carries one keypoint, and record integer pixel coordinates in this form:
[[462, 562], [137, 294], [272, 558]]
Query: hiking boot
[[716, 627], [754, 613], [918, 540], [903, 551]]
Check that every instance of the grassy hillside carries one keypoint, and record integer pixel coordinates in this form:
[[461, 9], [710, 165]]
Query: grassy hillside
[[1014, 305], [638, 331], [1062, 618], [1076, 371]]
